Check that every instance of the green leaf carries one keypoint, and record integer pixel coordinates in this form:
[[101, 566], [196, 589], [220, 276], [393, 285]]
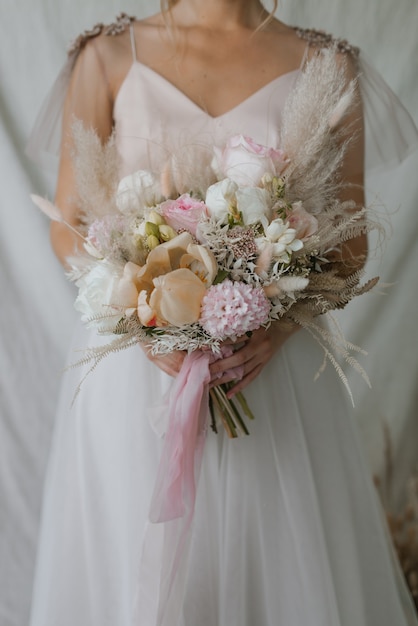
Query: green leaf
[[151, 331], [220, 277]]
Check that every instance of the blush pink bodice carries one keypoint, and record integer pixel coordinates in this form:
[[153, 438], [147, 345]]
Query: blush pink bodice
[[154, 119]]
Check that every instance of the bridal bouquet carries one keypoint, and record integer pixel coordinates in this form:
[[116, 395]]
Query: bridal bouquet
[[215, 245], [183, 260]]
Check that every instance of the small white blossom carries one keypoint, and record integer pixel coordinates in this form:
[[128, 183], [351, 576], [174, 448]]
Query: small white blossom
[[282, 238]]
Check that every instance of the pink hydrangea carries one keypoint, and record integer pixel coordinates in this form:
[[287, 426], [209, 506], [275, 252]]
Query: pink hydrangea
[[231, 309]]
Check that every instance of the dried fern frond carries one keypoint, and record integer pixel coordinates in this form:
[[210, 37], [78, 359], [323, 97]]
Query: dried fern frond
[[333, 344], [96, 168], [94, 355], [313, 144]]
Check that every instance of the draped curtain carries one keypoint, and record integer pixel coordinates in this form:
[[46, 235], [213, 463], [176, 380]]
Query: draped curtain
[[36, 314]]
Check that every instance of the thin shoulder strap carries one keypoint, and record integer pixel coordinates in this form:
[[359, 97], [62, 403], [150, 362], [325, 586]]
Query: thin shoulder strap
[[305, 56], [133, 43]]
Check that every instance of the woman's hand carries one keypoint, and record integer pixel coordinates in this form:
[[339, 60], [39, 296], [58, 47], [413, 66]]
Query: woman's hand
[[169, 363], [254, 354]]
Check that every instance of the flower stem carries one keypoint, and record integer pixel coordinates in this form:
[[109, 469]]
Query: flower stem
[[223, 413], [233, 410], [244, 405]]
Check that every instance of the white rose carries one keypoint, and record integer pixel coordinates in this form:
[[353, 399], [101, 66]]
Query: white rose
[[226, 198], [97, 294], [253, 203], [137, 192], [219, 199]]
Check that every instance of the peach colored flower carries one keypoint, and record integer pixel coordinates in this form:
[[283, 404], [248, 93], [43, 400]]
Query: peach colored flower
[[177, 297], [303, 222], [127, 290], [201, 262], [170, 286], [146, 314], [162, 259]]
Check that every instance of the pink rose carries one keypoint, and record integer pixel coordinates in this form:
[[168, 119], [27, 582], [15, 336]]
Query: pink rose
[[303, 222], [246, 162], [185, 212]]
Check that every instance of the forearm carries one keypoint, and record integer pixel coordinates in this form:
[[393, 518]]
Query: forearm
[[353, 253], [351, 257], [65, 242]]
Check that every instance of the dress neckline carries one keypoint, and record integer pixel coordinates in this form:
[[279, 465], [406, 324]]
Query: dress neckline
[[160, 78]]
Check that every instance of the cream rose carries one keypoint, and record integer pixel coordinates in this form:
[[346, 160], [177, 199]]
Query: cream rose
[[225, 198], [246, 162], [138, 191], [98, 293]]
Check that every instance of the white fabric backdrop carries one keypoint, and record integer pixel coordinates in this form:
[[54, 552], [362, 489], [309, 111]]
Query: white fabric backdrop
[[36, 303]]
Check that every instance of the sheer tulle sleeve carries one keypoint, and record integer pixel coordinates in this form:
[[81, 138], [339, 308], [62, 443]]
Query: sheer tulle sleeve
[[88, 98], [89, 95], [80, 91], [390, 132], [45, 140]]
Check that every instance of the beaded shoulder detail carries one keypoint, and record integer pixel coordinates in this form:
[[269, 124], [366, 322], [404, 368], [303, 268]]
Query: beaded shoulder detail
[[321, 39], [314, 38], [122, 22]]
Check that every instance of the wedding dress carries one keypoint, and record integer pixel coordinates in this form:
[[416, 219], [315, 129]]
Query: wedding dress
[[287, 528]]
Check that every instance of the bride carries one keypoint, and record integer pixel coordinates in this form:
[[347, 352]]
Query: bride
[[287, 528]]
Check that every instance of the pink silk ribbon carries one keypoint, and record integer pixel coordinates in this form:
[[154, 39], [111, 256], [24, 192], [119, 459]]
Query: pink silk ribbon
[[175, 488], [167, 537], [166, 544]]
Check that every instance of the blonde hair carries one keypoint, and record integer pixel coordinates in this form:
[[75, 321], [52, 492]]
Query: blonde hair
[[167, 5]]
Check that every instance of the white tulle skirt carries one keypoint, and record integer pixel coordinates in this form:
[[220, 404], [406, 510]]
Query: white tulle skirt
[[287, 529]]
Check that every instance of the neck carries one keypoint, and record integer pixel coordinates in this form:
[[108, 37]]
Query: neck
[[219, 14]]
